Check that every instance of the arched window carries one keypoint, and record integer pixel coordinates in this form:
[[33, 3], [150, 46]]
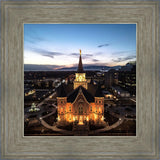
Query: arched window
[[96, 108], [91, 108], [80, 108]]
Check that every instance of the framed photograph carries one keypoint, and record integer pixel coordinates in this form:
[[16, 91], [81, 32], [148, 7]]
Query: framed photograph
[[96, 96], [80, 78]]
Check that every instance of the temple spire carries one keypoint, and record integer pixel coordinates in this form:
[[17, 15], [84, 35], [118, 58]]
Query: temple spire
[[80, 66]]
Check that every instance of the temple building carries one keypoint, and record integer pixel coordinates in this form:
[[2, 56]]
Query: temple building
[[82, 102]]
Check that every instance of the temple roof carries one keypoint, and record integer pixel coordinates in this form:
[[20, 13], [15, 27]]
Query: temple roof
[[72, 96], [67, 91], [61, 91], [80, 65]]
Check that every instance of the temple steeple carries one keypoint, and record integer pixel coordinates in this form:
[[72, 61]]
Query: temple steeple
[[80, 79], [80, 66]]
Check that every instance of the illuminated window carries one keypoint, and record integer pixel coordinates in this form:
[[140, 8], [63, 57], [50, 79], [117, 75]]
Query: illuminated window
[[96, 108], [91, 108]]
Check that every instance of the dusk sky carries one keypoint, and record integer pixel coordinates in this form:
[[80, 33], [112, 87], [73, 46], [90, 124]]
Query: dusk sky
[[59, 44]]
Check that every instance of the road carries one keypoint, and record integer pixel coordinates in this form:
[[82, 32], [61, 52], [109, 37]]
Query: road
[[41, 103], [107, 128], [54, 128], [133, 99]]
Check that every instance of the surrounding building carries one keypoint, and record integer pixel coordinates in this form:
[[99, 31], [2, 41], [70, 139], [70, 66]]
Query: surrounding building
[[111, 78], [79, 105], [127, 78]]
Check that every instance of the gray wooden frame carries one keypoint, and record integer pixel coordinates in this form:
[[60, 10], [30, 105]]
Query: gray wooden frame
[[144, 144]]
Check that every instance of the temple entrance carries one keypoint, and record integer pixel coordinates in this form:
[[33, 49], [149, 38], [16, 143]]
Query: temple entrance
[[80, 120]]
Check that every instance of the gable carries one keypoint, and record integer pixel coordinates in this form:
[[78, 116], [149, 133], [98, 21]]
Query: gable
[[73, 95], [80, 98]]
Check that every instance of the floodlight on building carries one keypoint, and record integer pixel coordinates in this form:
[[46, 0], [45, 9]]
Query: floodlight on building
[[95, 116], [87, 118], [102, 118]]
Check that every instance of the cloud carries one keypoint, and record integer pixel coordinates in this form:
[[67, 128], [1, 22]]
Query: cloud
[[88, 55], [95, 60], [98, 53], [124, 58], [46, 53], [84, 56], [103, 45], [77, 54], [74, 54]]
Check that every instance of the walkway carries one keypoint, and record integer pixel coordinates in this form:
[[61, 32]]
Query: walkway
[[53, 112], [54, 128], [107, 128], [40, 104]]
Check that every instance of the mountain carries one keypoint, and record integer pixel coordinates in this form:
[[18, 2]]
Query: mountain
[[33, 67], [92, 67]]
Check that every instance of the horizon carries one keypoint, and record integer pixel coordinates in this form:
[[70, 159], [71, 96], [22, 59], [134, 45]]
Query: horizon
[[58, 45], [51, 67]]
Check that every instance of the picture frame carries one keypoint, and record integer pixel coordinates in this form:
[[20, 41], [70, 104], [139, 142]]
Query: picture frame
[[15, 144]]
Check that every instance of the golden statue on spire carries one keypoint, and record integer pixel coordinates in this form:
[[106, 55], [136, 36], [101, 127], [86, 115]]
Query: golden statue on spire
[[80, 51]]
